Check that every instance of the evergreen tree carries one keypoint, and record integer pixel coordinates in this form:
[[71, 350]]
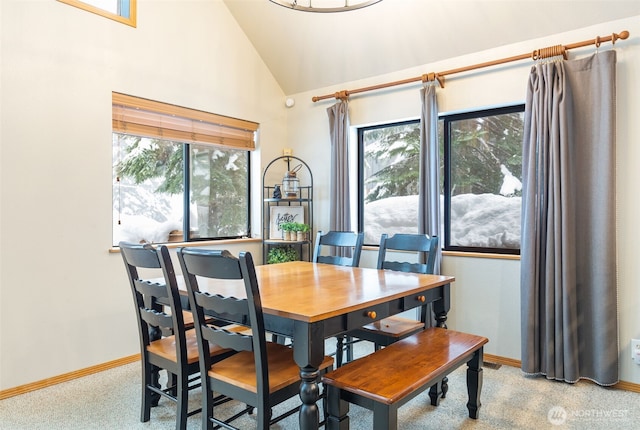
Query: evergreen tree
[[218, 181], [479, 146]]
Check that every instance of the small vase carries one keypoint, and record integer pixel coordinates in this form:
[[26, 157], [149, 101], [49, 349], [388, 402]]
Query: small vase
[[301, 236], [287, 235]]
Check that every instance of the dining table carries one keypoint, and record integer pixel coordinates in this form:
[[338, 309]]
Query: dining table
[[310, 302]]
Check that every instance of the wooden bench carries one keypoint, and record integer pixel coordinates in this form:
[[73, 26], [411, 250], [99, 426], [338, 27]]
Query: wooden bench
[[387, 379]]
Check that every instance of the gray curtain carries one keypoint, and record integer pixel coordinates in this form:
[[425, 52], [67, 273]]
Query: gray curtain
[[429, 179], [568, 250], [339, 204]]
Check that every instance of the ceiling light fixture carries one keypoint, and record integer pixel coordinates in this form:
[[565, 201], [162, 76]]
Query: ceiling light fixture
[[325, 5]]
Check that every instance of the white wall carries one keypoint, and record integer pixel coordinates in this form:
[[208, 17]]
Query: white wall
[[486, 294], [64, 298]]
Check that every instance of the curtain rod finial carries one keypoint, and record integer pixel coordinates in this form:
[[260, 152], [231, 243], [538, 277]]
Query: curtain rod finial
[[623, 35]]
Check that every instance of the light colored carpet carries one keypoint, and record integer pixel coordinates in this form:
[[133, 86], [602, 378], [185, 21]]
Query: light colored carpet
[[111, 400]]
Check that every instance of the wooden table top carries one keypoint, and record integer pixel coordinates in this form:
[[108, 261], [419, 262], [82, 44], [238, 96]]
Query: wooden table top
[[313, 292]]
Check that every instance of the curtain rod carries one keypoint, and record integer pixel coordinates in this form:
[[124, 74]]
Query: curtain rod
[[430, 77]]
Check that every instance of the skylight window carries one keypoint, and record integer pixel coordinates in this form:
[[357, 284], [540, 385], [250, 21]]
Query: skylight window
[[123, 11]]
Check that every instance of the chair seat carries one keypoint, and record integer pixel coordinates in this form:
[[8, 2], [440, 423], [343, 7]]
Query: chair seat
[[166, 346], [394, 326], [239, 369], [187, 316]]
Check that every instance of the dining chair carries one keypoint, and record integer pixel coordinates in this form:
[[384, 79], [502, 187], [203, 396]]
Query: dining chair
[[391, 329], [342, 248], [261, 374], [165, 342]]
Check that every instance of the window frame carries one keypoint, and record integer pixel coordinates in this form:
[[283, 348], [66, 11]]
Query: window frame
[[444, 123], [134, 116], [360, 157], [128, 19], [447, 120]]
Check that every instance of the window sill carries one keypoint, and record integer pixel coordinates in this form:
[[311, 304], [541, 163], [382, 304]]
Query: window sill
[[198, 243], [462, 254], [481, 255]]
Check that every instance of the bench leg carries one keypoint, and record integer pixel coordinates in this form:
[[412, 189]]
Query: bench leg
[[385, 417], [435, 393], [439, 391], [474, 383], [337, 410], [445, 386]]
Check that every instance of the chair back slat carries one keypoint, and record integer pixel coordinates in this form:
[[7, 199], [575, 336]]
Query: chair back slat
[[156, 319], [335, 260], [342, 248], [223, 305], [424, 246], [403, 266], [226, 266], [227, 339], [142, 256], [152, 289]]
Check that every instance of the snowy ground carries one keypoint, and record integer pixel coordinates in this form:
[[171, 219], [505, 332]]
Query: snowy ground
[[484, 220]]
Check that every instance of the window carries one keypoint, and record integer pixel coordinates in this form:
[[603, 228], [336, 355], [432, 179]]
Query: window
[[123, 11], [388, 191], [481, 171], [178, 170]]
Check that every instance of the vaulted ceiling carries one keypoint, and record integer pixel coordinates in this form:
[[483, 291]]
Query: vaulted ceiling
[[307, 51]]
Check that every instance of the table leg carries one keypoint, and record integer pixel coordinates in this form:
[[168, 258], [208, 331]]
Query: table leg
[[442, 306], [441, 320], [309, 394], [308, 352]]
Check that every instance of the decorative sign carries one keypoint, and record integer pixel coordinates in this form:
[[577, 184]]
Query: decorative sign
[[281, 214]]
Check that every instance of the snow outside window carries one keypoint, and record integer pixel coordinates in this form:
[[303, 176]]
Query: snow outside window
[[481, 172], [149, 190]]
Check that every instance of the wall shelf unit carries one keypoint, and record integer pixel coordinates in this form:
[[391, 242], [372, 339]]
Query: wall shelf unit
[[279, 209]]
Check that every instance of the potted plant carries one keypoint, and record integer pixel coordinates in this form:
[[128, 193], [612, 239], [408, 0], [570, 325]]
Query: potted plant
[[301, 230], [287, 230], [281, 254]]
